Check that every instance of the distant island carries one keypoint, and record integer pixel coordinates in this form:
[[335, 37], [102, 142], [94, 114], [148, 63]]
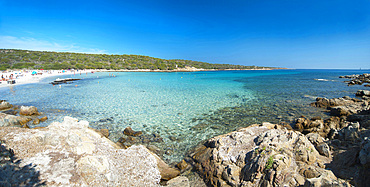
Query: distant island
[[26, 59]]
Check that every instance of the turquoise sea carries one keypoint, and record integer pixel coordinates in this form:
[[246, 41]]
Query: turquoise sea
[[183, 108]]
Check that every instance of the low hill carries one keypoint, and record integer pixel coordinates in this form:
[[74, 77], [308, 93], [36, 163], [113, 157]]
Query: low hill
[[25, 59]]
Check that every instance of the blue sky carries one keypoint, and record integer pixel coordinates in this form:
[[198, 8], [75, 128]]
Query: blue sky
[[284, 33]]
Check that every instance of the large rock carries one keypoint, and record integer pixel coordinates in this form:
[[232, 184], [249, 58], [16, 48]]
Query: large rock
[[344, 106], [28, 111], [361, 93], [345, 110], [357, 79], [5, 105], [7, 120], [71, 154], [267, 155]]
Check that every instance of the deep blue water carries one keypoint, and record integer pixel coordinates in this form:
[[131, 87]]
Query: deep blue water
[[183, 108]]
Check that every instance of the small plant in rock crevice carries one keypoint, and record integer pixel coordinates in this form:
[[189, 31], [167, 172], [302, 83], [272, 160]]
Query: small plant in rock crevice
[[269, 163]]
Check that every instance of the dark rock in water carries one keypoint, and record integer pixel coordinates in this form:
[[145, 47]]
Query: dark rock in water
[[172, 138], [122, 140], [131, 139], [129, 132], [106, 120], [357, 79], [168, 152], [43, 119], [137, 133], [199, 126], [182, 165], [65, 81], [36, 121], [159, 140], [361, 93], [232, 96]]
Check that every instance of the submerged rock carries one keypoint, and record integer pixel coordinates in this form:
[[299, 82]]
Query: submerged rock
[[129, 132]]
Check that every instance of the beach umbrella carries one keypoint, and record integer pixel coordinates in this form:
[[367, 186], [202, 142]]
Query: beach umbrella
[[34, 73]]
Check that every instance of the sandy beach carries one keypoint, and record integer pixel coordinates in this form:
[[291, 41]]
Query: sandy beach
[[32, 76]]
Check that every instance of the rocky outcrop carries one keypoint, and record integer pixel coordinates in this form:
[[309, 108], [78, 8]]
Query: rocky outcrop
[[28, 111], [347, 134], [5, 105], [365, 94], [342, 106], [263, 155], [7, 120], [71, 154], [357, 79]]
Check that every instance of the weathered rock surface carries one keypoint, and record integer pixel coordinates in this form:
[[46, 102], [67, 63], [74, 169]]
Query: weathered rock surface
[[342, 106], [179, 181], [7, 120], [357, 79], [263, 155], [364, 154], [5, 105], [361, 93], [28, 110], [347, 133], [71, 154]]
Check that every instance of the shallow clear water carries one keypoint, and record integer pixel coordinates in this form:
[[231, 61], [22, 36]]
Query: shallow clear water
[[183, 108]]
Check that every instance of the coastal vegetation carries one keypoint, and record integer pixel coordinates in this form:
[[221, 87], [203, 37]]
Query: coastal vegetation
[[25, 59]]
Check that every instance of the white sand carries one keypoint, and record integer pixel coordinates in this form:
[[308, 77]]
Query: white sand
[[26, 77]]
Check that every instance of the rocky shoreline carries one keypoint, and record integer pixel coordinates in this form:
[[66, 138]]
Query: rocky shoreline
[[317, 152], [308, 152]]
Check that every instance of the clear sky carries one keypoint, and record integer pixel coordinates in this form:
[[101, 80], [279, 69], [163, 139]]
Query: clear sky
[[279, 33]]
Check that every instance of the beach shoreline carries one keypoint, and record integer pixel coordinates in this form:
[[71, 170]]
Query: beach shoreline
[[26, 76]]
